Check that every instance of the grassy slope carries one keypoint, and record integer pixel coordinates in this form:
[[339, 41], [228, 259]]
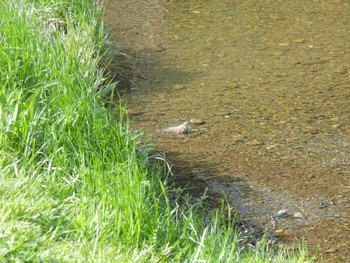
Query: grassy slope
[[75, 186]]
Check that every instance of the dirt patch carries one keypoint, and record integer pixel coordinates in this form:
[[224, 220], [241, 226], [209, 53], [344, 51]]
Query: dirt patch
[[271, 80]]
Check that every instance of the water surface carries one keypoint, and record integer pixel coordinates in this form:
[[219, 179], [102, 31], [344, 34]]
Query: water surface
[[271, 79]]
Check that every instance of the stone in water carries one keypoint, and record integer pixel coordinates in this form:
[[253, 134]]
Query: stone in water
[[282, 213], [255, 143], [298, 215], [197, 121], [182, 128]]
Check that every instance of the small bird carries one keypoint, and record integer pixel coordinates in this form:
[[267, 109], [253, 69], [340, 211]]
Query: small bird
[[182, 128]]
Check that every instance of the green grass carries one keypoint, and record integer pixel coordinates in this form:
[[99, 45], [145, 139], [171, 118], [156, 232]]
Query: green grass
[[75, 183]]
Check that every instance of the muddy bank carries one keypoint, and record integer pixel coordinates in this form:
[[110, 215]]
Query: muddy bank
[[271, 80]]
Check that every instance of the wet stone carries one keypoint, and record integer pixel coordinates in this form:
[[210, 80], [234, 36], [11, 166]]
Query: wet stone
[[237, 138], [279, 231], [291, 139], [339, 70], [316, 62], [178, 87], [331, 250], [182, 128], [272, 146], [285, 44], [197, 122], [298, 215], [310, 130], [299, 40], [221, 55], [282, 213], [254, 143], [323, 205]]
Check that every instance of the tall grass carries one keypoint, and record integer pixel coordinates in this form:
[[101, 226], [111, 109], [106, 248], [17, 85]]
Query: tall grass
[[76, 186]]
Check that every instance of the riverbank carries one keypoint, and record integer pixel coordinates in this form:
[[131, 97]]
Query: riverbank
[[76, 183]]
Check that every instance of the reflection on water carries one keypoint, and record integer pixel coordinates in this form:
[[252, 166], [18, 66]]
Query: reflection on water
[[271, 79]]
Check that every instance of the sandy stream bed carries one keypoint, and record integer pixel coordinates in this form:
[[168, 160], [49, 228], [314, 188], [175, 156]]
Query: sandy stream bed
[[271, 81]]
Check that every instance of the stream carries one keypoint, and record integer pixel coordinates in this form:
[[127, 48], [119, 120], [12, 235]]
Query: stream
[[270, 83]]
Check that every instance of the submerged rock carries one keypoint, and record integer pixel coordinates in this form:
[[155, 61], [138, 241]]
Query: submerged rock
[[255, 143], [331, 250], [182, 128], [197, 121], [279, 231], [310, 130], [298, 215], [282, 213]]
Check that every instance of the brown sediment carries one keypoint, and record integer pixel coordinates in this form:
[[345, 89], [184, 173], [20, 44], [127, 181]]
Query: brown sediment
[[271, 81]]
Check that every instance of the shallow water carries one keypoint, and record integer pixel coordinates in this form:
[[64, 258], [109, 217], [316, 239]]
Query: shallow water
[[271, 80]]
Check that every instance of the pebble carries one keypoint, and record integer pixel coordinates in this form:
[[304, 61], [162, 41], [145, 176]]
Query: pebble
[[285, 44], [299, 40], [282, 213], [272, 146], [276, 17], [339, 70], [221, 55], [323, 205], [263, 81], [254, 143], [237, 138], [331, 250], [279, 231], [182, 128], [197, 121], [311, 130], [298, 215], [178, 86], [291, 139], [315, 62], [277, 53]]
